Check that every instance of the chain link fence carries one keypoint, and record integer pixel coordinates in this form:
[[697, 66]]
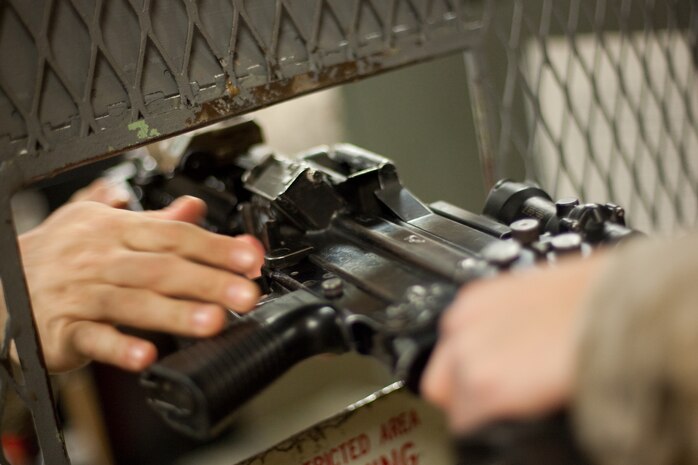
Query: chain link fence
[[596, 99]]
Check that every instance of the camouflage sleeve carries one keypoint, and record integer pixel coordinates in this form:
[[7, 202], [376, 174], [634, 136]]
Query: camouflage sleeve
[[636, 394]]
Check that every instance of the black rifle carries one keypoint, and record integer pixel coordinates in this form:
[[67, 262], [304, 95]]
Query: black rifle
[[354, 262]]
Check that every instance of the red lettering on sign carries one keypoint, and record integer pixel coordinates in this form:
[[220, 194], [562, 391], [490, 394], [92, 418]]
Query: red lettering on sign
[[344, 453], [404, 455], [399, 425]]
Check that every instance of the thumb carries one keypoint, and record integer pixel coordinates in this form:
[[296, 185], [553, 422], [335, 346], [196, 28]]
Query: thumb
[[188, 209]]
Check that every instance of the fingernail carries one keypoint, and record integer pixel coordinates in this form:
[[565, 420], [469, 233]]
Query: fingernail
[[137, 353], [242, 297], [202, 317], [244, 259]]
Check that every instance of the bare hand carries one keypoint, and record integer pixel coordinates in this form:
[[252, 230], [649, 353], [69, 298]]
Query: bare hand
[[90, 267], [507, 346], [104, 191]]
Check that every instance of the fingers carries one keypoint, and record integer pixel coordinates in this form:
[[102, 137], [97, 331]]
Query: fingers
[[468, 398], [145, 309], [480, 397], [149, 270], [437, 380], [252, 241], [103, 191], [259, 249], [101, 342], [484, 397], [493, 359], [197, 244], [173, 276], [187, 209]]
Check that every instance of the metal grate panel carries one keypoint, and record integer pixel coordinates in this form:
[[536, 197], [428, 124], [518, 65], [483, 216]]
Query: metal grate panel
[[597, 99], [100, 76]]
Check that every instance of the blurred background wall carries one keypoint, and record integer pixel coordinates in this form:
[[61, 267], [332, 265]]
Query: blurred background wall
[[418, 116], [421, 118]]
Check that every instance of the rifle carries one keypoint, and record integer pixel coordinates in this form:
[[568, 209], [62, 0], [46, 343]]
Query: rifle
[[354, 262]]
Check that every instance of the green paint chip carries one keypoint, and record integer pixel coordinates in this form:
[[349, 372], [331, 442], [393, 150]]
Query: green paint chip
[[142, 130]]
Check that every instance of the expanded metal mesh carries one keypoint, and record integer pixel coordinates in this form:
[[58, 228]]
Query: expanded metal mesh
[[73, 69], [596, 99]]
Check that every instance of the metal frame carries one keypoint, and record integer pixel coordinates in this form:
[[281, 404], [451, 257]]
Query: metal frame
[[174, 66]]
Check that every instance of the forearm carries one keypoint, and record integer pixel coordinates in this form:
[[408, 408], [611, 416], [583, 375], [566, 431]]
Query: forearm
[[637, 385]]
